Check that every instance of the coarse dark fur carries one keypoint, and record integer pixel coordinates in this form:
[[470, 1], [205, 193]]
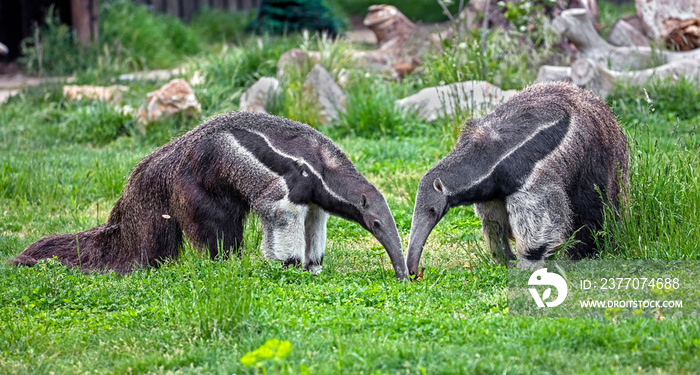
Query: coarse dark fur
[[540, 168], [205, 183]]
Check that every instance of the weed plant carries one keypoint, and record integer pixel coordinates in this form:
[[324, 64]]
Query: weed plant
[[379, 116], [497, 60]]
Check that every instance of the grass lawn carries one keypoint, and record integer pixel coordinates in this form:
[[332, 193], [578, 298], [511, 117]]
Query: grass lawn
[[63, 165]]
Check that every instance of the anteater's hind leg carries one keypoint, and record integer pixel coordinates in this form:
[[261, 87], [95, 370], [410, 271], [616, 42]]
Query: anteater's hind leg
[[315, 225], [540, 220], [589, 204], [495, 228], [215, 222], [222, 230]]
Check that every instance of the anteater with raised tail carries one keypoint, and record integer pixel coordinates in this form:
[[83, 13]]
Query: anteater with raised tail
[[205, 183], [540, 169]]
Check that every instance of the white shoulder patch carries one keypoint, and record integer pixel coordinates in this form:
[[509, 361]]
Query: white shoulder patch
[[302, 161]]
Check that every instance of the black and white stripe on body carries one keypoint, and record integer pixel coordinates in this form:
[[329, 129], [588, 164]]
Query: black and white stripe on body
[[532, 168], [204, 184]]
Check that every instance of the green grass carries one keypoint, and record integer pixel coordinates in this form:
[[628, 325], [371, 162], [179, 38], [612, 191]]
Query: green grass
[[63, 165], [662, 211]]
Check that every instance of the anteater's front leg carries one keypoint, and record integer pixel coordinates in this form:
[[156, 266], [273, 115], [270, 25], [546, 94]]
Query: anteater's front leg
[[316, 221], [495, 228], [283, 224]]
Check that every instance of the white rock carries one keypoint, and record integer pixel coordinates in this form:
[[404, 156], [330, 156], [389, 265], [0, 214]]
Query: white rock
[[478, 97], [152, 75], [256, 97], [5, 95], [87, 92]]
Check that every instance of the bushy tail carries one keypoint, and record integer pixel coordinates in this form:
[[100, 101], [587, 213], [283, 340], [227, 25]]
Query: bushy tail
[[86, 250]]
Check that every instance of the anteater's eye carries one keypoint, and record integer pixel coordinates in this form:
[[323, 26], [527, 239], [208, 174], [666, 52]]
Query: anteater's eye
[[303, 173], [377, 224]]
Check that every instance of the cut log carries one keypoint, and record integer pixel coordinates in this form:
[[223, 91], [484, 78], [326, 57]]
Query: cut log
[[591, 6], [575, 25], [591, 75], [625, 34]]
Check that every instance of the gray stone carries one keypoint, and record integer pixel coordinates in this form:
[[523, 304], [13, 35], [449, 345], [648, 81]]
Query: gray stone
[[329, 96], [256, 97]]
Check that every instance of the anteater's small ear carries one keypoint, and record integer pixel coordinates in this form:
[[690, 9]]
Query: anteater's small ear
[[363, 201], [437, 185]]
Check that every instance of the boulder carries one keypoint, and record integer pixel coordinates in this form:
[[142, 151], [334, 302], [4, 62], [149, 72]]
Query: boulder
[[478, 97], [329, 96], [172, 98], [256, 97]]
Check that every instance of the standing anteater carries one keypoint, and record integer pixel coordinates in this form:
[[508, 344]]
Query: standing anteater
[[204, 183], [539, 169]]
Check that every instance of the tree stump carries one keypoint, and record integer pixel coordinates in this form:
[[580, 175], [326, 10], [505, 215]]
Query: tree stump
[[575, 25], [591, 75], [624, 33]]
